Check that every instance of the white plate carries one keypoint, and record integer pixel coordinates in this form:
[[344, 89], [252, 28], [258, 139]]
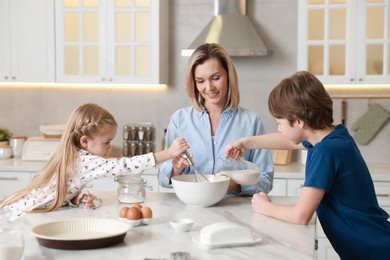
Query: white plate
[[216, 245], [83, 233]]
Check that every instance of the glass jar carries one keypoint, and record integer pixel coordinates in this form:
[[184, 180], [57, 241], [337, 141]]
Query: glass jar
[[131, 189], [11, 238]]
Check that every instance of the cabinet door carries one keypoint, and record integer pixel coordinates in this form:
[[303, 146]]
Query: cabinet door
[[344, 42], [10, 182], [112, 41], [325, 250], [5, 43], [27, 40], [279, 187], [294, 187]]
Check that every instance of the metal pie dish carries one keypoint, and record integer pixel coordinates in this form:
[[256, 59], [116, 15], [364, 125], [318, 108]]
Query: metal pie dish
[[83, 233]]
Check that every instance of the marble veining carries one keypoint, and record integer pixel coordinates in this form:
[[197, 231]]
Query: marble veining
[[158, 240]]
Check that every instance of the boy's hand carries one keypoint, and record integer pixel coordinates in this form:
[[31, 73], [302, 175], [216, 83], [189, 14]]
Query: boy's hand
[[235, 150], [259, 200]]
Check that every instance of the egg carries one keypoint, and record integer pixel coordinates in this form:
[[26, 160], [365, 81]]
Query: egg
[[123, 212], [133, 213], [138, 206], [146, 212]]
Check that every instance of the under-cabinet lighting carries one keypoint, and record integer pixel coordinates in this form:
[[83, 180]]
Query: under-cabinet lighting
[[358, 91], [83, 85]]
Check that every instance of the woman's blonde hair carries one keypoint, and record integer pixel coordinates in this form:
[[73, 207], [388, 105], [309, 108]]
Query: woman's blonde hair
[[199, 56], [86, 120]]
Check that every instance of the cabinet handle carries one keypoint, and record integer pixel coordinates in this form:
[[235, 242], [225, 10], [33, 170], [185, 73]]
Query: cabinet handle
[[13, 77], [360, 79], [5, 77], [351, 79], [8, 178], [382, 194]]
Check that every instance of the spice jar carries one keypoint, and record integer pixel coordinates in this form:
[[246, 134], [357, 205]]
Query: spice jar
[[131, 189], [11, 238]]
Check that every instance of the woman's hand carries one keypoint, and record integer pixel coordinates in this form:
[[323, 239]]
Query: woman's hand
[[234, 187], [259, 200], [179, 163]]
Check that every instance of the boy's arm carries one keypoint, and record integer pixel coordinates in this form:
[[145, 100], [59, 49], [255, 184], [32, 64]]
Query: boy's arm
[[274, 141], [300, 213]]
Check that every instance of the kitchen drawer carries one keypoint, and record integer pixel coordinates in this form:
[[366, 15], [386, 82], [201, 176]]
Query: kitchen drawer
[[10, 182]]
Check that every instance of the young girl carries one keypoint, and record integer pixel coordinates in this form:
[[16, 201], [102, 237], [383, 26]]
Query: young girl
[[79, 159], [338, 184]]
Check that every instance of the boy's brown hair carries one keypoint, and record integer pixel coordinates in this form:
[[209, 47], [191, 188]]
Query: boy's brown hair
[[302, 96]]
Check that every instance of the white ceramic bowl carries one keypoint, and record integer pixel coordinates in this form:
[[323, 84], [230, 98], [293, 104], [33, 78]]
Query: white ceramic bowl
[[242, 177], [5, 152], [182, 225], [200, 194]]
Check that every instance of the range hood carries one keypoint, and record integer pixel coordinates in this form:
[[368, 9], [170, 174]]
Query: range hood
[[231, 28]]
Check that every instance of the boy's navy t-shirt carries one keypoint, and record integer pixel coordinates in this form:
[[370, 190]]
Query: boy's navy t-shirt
[[349, 212]]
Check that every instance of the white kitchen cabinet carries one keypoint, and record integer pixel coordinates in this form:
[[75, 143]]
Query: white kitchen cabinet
[[112, 41], [10, 182], [345, 41], [27, 41], [279, 187], [294, 187]]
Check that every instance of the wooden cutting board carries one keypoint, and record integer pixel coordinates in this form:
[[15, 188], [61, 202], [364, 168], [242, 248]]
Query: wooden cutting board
[[282, 157]]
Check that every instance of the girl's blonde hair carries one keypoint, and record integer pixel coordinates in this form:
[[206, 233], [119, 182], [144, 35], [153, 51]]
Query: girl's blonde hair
[[86, 120], [201, 55]]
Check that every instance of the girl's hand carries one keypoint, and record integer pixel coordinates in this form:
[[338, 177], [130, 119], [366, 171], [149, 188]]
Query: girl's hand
[[235, 150], [259, 200], [178, 147], [88, 200]]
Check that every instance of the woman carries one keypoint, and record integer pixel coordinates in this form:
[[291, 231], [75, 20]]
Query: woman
[[214, 120]]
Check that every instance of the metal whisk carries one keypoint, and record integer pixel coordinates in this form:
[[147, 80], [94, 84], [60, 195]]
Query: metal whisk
[[199, 177]]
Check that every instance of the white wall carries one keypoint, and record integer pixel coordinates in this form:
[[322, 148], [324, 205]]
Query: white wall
[[24, 110]]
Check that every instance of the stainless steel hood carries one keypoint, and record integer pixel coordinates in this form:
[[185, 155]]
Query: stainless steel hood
[[231, 28]]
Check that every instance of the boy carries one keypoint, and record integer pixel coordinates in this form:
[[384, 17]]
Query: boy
[[338, 184]]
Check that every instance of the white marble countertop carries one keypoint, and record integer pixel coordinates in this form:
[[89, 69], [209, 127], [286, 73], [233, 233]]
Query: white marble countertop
[[158, 240]]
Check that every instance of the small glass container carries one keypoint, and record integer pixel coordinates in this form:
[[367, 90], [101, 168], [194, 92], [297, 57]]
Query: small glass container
[[126, 149], [133, 149], [126, 132], [148, 147], [133, 133], [11, 238], [131, 189], [149, 133], [141, 133]]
